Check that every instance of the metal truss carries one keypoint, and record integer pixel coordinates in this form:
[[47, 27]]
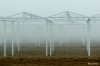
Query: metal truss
[[68, 17], [62, 18], [26, 17], [22, 17], [73, 18], [95, 19]]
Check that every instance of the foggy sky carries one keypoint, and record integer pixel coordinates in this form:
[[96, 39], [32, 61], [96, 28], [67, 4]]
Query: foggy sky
[[49, 7]]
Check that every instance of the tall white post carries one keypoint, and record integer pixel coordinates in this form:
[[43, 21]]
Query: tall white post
[[59, 37], [46, 48], [83, 36], [53, 38], [50, 41], [53, 46], [4, 38], [39, 35], [50, 48], [18, 38], [18, 47], [36, 32], [47, 39], [64, 31], [88, 37], [12, 38]]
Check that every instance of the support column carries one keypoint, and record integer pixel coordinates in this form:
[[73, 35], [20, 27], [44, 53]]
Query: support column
[[36, 32], [50, 48], [4, 38], [53, 37], [83, 36], [39, 35], [18, 42], [50, 41], [88, 37], [12, 38], [59, 37], [47, 39], [46, 48]]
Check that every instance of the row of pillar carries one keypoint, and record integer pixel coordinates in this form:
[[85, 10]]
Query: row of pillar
[[50, 43], [12, 43], [88, 40]]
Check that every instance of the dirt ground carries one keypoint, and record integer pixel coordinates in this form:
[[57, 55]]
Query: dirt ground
[[49, 61], [62, 56]]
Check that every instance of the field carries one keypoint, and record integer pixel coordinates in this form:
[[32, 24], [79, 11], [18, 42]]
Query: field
[[67, 55]]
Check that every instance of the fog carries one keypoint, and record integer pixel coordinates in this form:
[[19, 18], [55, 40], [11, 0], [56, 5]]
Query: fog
[[31, 32], [49, 7]]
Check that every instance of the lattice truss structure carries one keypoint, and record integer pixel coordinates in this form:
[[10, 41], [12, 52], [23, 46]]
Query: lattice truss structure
[[22, 26], [66, 18], [95, 19]]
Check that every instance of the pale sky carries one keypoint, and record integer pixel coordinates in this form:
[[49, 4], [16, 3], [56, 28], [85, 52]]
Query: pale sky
[[49, 7]]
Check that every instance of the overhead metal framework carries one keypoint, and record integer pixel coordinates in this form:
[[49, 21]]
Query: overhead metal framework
[[19, 18], [95, 18], [45, 29], [68, 17]]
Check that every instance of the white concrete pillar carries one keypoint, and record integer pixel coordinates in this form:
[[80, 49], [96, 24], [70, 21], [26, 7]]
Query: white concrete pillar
[[12, 38], [88, 37], [47, 39], [5, 38]]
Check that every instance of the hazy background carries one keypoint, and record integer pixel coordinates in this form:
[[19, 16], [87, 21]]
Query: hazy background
[[49, 7], [46, 8]]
